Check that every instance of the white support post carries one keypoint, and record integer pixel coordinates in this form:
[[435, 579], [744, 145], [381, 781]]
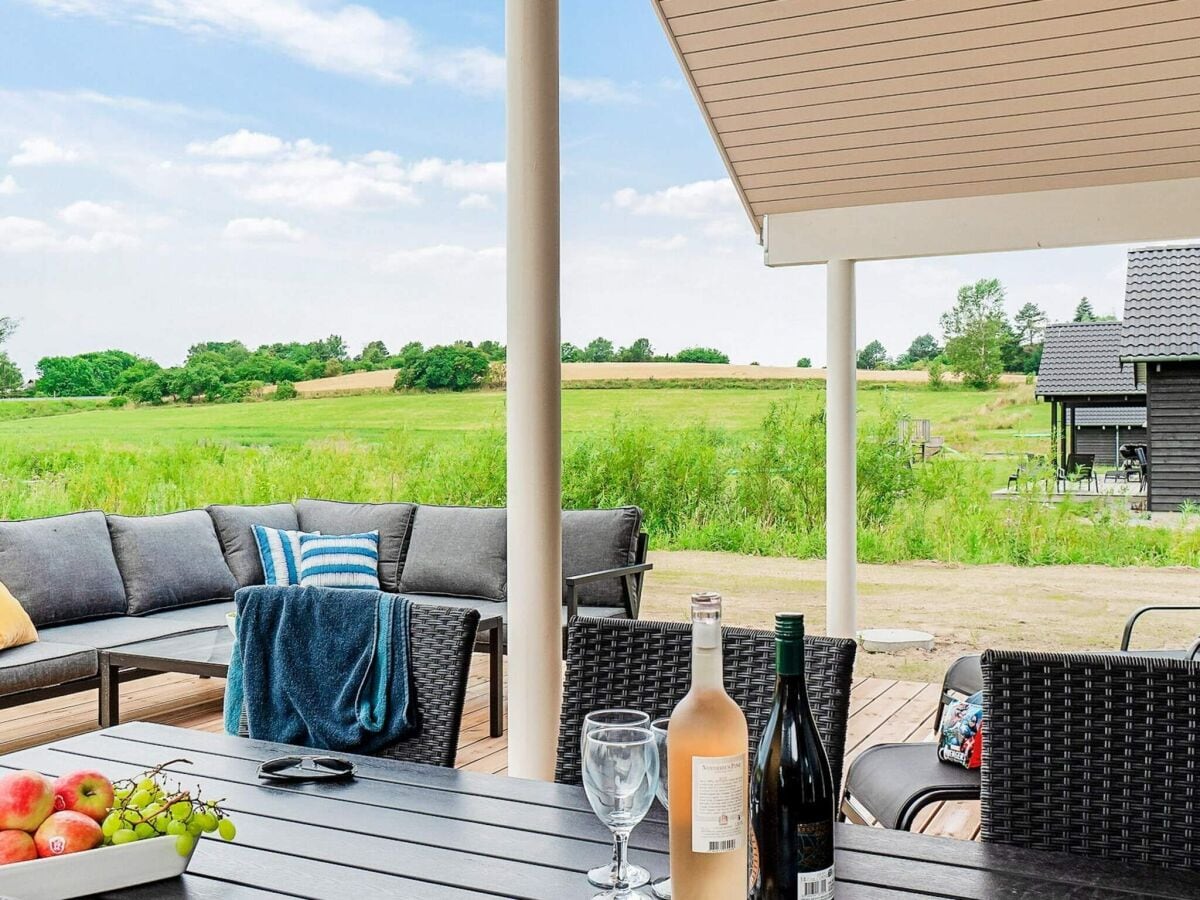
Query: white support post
[[534, 385], [841, 478]]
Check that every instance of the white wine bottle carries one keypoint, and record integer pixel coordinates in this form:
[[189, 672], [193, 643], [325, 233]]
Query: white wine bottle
[[708, 779]]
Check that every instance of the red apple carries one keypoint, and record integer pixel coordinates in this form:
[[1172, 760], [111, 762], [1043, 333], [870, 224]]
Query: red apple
[[16, 846], [85, 791], [67, 831], [26, 798]]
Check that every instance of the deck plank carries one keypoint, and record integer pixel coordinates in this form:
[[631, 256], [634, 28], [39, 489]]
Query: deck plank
[[881, 710]]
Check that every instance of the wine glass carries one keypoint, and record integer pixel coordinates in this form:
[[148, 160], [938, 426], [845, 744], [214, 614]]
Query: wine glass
[[605, 876], [620, 777], [658, 728]]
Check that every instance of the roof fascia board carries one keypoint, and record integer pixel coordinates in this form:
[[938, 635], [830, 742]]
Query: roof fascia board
[[1072, 217]]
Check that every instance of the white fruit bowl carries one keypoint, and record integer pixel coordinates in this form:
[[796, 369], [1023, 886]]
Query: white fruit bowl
[[93, 871], [231, 621]]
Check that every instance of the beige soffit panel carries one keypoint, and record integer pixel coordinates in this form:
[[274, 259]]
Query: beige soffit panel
[[829, 104]]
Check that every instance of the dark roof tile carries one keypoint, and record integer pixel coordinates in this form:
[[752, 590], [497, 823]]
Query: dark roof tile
[[1081, 359], [1162, 304]]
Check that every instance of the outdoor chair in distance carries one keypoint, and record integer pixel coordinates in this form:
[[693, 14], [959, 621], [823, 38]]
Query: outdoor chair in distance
[[441, 640], [892, 783], [647, 665], [1080, 469], [1192, 652], [1092, 754]]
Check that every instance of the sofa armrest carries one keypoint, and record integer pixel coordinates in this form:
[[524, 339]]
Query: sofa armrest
[[626, 573], [1127, 636]]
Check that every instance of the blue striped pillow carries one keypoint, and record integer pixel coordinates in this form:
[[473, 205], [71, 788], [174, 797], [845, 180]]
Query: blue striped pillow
[[340, 560], [279, 552]]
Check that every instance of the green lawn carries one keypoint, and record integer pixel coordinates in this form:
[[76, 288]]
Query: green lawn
[[970, 421]]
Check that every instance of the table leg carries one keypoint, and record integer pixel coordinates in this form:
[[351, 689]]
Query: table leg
[[496, 678], [110, 695]]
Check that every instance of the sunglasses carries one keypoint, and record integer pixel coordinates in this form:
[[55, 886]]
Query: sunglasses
[[306, 768]]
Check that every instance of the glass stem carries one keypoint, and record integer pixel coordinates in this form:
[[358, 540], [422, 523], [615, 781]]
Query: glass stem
[[621, 852]]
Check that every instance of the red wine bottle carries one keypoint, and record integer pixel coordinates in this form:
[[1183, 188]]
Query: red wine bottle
[[791, 795]]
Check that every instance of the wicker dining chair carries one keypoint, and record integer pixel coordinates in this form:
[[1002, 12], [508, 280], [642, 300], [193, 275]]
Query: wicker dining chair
[[647, 665], [1092, 754], [441, 640]]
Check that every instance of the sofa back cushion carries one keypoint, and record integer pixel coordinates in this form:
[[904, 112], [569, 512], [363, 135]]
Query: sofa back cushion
[[233, 525], [168, 561], [61, 569], [598, 539], [457, 551], [391, 520]]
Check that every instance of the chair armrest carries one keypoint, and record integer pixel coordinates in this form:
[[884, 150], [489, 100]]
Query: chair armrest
[[625, 573], [1129, 623], [604, 574]]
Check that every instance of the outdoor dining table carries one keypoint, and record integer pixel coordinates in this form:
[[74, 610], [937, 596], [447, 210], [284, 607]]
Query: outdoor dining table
[[407, 831]]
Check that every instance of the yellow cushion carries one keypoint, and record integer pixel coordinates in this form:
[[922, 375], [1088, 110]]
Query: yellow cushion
[[16, 628]]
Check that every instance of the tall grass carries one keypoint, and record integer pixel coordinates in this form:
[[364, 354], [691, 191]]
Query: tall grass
[[702, 487]]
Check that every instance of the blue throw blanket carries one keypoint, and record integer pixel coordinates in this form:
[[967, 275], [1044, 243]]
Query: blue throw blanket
[[321, 667]]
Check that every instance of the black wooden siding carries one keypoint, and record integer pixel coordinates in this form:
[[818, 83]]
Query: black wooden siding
[[1101, 440], [1173, 417]]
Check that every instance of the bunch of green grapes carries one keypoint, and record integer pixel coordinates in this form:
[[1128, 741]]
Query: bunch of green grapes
[[148, 806]]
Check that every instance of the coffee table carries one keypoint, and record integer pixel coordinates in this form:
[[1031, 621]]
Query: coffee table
[[203, 653]]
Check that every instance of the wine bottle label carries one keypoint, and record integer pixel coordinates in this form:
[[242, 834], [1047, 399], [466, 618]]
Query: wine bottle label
[[815, 885], [718, 803]]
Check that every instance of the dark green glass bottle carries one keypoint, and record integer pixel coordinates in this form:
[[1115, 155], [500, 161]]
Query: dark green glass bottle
[[791, 792]]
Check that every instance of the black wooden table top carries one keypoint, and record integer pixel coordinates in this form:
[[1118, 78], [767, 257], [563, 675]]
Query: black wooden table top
[[408, 831]]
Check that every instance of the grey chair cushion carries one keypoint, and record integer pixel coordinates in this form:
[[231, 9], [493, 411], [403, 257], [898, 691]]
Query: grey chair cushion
[[189, 618], [42, 664], [104, 633], [457, 551], [61, 569], [171, 560], [391, 520], [598, 539], [233, 526], [490, 609]]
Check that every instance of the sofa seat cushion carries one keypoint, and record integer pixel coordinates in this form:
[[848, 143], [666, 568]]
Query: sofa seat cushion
[[168, 561], [61, 569], [490, 609], [233, 525], [392, 520], [103, 634], [44, 664], [190, 618], [597, 539], [457, 551]]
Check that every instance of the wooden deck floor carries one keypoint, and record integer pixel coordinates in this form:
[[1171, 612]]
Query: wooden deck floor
[[880, 711]]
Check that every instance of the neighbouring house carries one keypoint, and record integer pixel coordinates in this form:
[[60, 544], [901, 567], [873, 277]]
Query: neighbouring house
[[1095, 403], [1160, 348]]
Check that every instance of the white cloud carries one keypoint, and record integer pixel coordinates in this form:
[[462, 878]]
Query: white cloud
[[441, 255], [697, 200], [350, 39], [475, 201], [267, 169], [261, 230], [8, 185], [91, 216], [242, 144], [674, 242], [22, 235], [40, 151]]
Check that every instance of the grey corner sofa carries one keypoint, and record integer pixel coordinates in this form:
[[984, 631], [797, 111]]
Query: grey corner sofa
[[92, 582]]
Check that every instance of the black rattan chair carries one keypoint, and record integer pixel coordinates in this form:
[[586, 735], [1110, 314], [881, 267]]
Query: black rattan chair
[[647, 665], [440, 643], [892, 783], [1192, 652], [1092, 754]]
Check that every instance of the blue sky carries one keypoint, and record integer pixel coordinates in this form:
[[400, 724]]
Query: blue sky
[[181, 170]]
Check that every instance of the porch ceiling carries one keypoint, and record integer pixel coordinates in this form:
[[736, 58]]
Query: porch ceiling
[[828, 104]]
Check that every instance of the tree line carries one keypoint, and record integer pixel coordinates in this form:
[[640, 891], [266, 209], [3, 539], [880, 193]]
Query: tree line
[[979, 341]]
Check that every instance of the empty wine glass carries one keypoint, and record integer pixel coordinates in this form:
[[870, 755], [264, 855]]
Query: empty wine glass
[[605, 876], [658, 728], [620, 777]]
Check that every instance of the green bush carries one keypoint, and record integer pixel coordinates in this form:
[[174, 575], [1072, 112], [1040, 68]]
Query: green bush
[[456, 367], [285, 390], [701, 355], [118, 402]]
